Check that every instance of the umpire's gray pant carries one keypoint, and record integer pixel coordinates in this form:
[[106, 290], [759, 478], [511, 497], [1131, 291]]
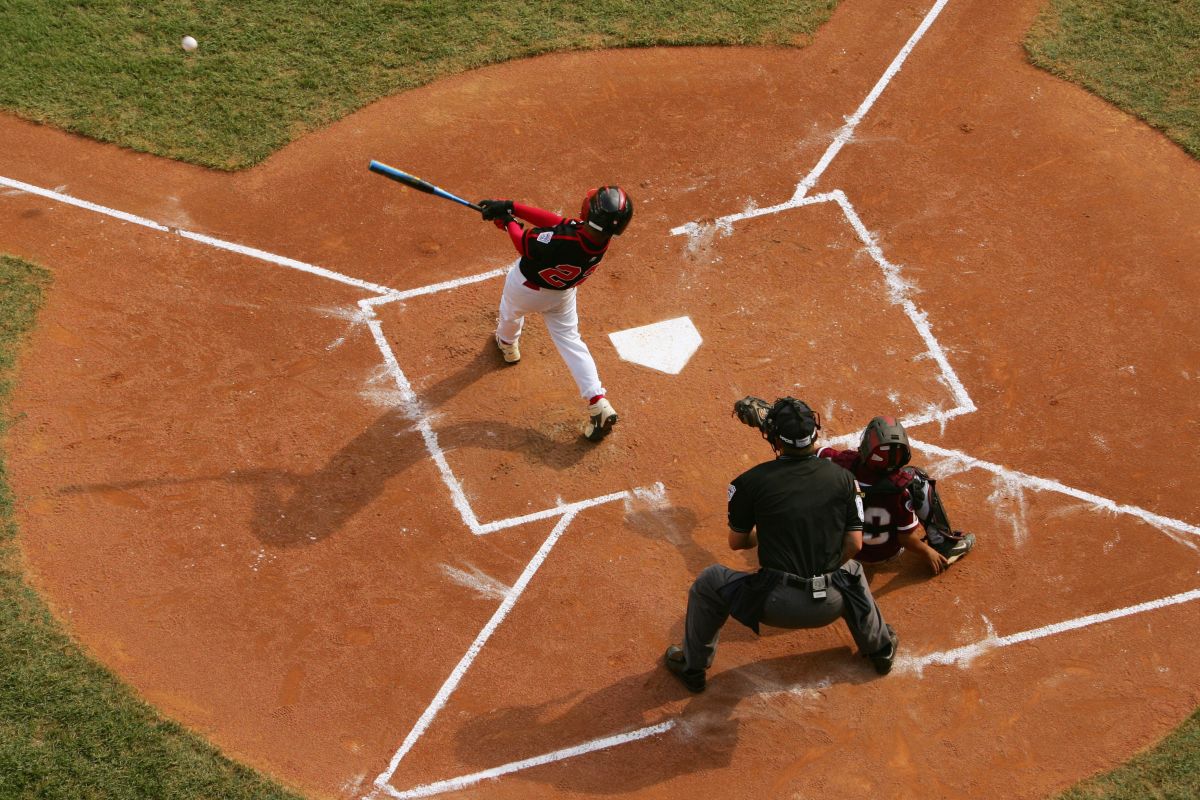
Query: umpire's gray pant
[[848, 597]]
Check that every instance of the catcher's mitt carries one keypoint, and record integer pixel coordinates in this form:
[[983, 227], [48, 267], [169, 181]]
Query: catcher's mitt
[[752, 411]]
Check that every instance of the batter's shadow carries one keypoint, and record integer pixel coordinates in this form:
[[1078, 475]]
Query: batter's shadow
[[703, 738], [292, 509]]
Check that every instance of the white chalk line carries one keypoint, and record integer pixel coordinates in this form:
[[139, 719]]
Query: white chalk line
[[843, 136], [434, 288], [726, 222], [847, 130], [456, 676], [899, 293], [462, 782], [411, 406], [961, 657], [477, 580], [1048, 485], [211, 241]]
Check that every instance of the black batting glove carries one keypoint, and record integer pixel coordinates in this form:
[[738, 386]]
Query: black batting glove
[[496, 209]]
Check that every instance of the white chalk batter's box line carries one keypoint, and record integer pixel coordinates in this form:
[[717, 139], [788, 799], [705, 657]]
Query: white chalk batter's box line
[[898, 294]]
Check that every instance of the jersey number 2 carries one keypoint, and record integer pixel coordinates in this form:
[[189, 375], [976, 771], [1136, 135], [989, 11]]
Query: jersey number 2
[[563, 274]]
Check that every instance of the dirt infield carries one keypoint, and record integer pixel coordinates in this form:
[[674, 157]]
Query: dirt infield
[[288, 491]]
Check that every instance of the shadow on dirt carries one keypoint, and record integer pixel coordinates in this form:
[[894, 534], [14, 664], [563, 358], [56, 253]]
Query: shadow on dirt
[[292, 508], [674, 524], [703, 738]]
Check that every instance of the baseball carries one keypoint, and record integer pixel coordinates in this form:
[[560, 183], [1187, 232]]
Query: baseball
[[189, 43]]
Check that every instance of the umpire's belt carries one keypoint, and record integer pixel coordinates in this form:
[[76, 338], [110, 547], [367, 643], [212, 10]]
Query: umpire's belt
[[816, 585]]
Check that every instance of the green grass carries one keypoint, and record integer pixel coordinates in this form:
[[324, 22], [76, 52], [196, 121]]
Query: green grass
[[269, 71], [1170, 771], [68, 728], [1141, 55]]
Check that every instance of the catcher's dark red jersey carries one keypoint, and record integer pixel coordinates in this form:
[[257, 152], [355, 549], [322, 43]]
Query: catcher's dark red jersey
[[887, 510]]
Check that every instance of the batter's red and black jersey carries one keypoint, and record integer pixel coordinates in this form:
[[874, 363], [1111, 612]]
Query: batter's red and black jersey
[[559, 257], [887, 508]]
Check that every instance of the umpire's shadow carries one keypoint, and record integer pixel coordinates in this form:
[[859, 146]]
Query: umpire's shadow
[[704, 736]]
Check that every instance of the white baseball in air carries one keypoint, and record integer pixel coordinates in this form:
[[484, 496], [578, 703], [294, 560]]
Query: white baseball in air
[[189, 43]]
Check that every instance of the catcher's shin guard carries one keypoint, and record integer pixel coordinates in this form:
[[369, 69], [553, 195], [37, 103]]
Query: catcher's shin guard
[[928, 505]]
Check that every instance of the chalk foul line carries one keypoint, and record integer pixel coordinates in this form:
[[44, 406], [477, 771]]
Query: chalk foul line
[[211, 241], [840, 139], [846, 132], [963, 656], [1045, 484]]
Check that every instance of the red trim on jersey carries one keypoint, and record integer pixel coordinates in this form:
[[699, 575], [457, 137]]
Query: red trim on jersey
[[539, 217], [516, 232]]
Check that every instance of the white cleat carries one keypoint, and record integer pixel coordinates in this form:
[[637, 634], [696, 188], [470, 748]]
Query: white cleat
[[511, 352], [601, 418]]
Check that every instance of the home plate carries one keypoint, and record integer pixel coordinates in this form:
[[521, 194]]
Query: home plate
[[665, 346]]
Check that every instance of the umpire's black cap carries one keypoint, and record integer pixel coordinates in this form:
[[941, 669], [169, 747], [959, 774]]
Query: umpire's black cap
[[792, 422]]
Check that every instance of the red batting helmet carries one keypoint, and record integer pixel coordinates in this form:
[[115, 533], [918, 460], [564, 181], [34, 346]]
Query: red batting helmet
[[607, 210], [884, 445]]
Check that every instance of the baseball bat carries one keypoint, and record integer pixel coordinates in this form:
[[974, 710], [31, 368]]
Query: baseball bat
[[413, 182]]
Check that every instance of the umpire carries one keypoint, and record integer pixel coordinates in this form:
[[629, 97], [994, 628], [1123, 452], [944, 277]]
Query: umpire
[[805, 516]]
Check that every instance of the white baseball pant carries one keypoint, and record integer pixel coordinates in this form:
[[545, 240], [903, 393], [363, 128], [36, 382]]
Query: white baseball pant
[[557, 308]]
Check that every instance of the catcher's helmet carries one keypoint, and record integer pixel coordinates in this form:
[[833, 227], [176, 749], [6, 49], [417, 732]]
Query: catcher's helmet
[[884, 445], [607, 210], [791, 422]]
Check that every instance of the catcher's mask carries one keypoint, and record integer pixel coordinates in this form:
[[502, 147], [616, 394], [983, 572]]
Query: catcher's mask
[[791, 422], [884, 445], [607, 210]]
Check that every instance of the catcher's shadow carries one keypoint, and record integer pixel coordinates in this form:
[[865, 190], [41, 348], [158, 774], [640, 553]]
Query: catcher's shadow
[[704, 737], [892, 576]]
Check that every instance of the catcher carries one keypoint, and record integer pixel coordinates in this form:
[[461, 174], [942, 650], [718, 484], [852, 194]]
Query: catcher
[[898, 499]]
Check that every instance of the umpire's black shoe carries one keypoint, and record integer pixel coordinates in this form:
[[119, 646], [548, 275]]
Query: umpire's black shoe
[[675, 661], [886, 656]]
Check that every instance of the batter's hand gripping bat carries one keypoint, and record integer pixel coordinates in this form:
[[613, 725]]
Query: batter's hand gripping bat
[[413, 182]]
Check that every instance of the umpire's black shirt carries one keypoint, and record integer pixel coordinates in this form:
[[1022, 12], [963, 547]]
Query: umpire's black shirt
[[802, 508]]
